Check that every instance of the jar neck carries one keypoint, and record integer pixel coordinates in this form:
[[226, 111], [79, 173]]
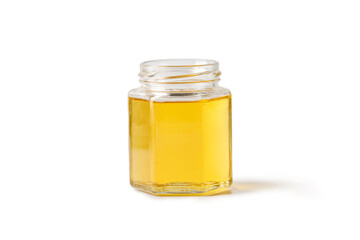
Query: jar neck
[[180, 75]]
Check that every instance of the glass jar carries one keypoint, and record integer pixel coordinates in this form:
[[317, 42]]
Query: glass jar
[[180, 129]]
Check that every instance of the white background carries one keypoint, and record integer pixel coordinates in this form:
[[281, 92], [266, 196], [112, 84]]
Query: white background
[[65, 70]]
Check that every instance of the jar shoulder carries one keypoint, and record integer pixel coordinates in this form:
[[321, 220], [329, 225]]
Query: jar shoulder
[[172, 96]]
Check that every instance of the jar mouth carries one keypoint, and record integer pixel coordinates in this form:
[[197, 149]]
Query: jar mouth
[[175, 71], [179, 63]]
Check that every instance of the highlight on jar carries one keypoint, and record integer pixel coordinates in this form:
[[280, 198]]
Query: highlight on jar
[[180, 129]]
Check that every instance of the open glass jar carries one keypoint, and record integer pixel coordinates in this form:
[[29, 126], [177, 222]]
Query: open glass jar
[[180, 129]]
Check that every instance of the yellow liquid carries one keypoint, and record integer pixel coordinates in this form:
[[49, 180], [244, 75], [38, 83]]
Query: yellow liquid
[[180, 147]]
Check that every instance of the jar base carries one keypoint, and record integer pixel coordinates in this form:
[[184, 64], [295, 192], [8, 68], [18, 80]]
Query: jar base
[[183, 188]]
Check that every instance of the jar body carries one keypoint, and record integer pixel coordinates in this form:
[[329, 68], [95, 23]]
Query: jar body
[[180, 142]]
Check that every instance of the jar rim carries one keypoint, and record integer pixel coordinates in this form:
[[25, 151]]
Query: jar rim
[[186, 62]]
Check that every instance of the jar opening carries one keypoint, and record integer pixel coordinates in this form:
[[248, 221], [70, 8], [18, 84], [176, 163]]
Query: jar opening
[[179, 63]]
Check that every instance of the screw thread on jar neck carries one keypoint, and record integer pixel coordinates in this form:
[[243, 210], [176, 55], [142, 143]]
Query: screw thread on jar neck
[[179, 74]]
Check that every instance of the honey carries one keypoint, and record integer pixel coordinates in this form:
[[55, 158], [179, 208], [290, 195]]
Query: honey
[[180, 146]]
